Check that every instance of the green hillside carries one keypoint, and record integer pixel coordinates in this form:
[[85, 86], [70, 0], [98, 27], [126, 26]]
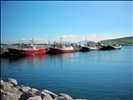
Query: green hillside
[[125, 41]]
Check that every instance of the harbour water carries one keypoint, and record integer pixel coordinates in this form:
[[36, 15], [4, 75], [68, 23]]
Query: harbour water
[[95, 75]]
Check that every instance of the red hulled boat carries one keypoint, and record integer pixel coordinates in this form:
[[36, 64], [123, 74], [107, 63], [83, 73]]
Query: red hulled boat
[[30, 50], [62, 49]]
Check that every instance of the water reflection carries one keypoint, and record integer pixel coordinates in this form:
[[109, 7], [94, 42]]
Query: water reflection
[[63, 55], [55, 60], [59, 60], [20, 61], [33, 60]]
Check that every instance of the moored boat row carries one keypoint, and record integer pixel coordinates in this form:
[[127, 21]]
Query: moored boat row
[[55, 50], [89, 46], [32, 49]]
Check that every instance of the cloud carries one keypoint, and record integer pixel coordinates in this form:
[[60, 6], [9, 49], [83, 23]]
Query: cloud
[[65, 38], [70, 38], [23, 39], [93, 36], [78, 38], [27, 40]]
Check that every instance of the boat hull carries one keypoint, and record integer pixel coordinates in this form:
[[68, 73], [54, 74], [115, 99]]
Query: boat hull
[[110, 47], [26, 52], [88, 48], [117, 47], [13, 51], [113, 47], [55, 50], [33, 52], [104, 48]]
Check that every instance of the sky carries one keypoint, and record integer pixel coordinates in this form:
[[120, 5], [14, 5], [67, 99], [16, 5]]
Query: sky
[[72, 20]]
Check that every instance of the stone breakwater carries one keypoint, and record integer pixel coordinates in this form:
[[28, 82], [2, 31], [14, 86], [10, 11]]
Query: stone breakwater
[[11, 91]]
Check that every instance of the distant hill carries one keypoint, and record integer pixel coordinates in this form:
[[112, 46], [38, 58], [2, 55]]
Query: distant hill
[[125, 41]]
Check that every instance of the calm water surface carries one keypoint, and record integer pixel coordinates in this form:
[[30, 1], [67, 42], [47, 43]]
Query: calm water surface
[[96, 75]]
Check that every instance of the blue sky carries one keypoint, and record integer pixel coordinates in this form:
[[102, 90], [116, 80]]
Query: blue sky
[[73, 20]]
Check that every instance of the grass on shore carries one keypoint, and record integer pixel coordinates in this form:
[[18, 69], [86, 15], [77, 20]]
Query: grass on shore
[[126, 41]]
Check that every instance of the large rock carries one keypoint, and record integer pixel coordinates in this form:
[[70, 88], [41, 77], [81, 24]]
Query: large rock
[[50, 93], [25, 88], [13, 81], [60, 98], [63, 97], [6, 86], [35, 91], [66, 96], [32, 92], [46, 96], [9, 96], [43, 94], [9, 91], [27, 94], [35, 98]]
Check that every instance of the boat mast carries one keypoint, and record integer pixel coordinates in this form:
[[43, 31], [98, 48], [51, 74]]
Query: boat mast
[[86, 41], [60, 40], [32, 41], [93, 41]]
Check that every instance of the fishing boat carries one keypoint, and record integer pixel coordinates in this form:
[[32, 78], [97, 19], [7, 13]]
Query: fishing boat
[[89, 47], [61, 48], [29, 50], [32, 50], [110, 47]]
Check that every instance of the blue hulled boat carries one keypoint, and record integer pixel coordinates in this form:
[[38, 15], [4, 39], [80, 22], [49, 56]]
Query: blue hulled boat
[[89, 48]]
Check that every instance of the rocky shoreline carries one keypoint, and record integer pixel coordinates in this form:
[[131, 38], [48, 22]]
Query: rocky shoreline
[[11, 91]]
